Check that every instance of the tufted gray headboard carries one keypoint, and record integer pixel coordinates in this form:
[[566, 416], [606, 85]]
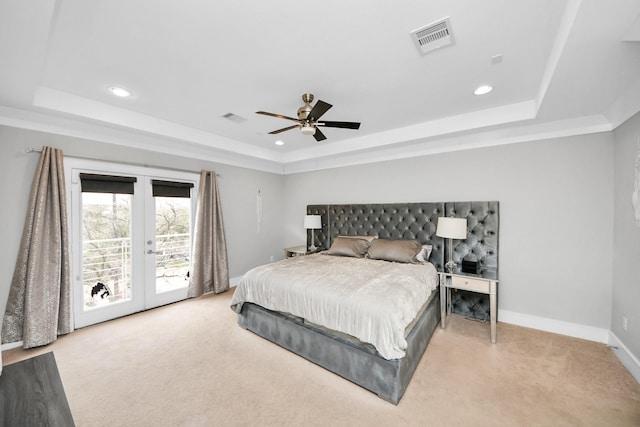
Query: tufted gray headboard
[[387, 221], [481, 244], [417, 221]]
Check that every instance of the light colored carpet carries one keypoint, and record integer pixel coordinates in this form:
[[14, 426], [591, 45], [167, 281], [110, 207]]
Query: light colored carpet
[[189, 364]]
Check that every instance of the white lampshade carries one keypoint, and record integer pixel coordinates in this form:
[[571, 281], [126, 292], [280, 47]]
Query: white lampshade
[[312, 221], [452, 228]]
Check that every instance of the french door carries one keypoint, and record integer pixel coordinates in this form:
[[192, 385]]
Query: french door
[[131, 231]]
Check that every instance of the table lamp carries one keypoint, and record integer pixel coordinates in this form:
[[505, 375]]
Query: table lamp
[[451, 228], [312, 222]]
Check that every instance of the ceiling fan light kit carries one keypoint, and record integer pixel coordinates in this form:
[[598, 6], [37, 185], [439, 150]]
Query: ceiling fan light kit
[[308, 129], [308, 117]]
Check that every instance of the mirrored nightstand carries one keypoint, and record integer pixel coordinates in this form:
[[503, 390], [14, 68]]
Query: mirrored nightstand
[[297, 251], [468, 282]]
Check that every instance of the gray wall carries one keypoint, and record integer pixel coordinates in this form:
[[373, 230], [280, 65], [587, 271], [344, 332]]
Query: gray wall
[[556, 202], [626, 238], [556, 214], [238, 189]]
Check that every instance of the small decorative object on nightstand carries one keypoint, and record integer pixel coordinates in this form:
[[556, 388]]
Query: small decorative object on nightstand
[[296, 251], [468, 282]]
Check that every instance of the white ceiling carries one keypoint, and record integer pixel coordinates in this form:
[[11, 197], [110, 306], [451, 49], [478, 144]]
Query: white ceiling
[[568, 67]]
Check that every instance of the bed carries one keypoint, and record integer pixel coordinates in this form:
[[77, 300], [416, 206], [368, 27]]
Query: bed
[[353, 354]]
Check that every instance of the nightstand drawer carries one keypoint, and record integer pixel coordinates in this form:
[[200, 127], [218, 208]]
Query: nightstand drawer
[[470, 284], [296, 251]]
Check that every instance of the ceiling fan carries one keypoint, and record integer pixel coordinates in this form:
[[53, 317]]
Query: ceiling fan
[[308, 119]]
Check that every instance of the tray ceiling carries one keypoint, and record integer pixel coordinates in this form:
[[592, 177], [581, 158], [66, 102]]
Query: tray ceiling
[[562, 67]]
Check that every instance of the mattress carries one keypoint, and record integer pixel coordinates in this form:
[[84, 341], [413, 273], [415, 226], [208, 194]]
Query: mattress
[[355, 341], [374, 301]]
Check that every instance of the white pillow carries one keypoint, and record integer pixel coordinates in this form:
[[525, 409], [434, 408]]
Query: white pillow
[[367, 238], [424, 254]]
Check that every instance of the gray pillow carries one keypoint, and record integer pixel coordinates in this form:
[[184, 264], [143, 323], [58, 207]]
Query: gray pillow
[[348, 246], [395, 250]]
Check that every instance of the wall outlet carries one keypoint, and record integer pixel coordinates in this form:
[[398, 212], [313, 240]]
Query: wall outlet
[[271, 260], [625, 323]]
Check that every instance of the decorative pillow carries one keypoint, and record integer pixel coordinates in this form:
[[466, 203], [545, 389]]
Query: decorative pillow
[[367, 238], [424, 254], [348, 246], [395, 250]]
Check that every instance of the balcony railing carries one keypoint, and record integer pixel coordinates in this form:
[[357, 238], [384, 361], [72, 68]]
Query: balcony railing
[[173, 251], [109, 260]]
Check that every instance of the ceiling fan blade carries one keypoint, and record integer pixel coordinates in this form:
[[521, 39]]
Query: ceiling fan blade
[[344, 125], [319, 136], [283, 129], [280, 116], [318, 110]]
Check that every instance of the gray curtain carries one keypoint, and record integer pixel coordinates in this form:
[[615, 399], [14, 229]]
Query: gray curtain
[[210, 271], [39, 305]]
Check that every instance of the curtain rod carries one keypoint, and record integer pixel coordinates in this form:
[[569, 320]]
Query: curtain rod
[[39, 150]]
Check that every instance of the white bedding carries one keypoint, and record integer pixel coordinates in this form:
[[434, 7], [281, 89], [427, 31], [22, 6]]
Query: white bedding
[[371, 300]]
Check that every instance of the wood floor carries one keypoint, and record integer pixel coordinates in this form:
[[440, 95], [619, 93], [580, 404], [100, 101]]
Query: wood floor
[[31, 394]]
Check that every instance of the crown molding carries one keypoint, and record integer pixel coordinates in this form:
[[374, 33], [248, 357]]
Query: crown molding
[[374, 150]]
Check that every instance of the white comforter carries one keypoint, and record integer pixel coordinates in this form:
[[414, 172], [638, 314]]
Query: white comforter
[[372, 300]]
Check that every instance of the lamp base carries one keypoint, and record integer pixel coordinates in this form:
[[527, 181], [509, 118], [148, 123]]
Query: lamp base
[[450, 266], [312, 246]]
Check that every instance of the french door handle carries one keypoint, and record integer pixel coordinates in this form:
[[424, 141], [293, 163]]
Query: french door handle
[[150, 251]]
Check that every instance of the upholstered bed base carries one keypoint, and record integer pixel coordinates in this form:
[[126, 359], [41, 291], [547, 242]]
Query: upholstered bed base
[[358, 363]]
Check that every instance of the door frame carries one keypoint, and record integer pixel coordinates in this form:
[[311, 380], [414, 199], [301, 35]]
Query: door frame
[[141, 284]]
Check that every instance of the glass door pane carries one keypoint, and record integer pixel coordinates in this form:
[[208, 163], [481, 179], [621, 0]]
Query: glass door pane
[[169, 209], [106, 249], [173, 243]]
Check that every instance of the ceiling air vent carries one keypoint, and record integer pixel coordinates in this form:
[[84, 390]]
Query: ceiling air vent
[[234, 118], [433, 36]]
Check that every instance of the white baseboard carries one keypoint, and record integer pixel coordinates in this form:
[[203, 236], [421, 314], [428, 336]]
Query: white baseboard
[[233, 281], [626, 357], [589, 333], [10, 345]]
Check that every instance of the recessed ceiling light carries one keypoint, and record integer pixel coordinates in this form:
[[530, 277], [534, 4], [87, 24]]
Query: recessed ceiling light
[[279, 142], [121, 92], [483, 90]]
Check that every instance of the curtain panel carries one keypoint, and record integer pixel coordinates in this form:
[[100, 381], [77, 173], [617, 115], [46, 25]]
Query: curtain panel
[[39, 304], [210, 267]]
